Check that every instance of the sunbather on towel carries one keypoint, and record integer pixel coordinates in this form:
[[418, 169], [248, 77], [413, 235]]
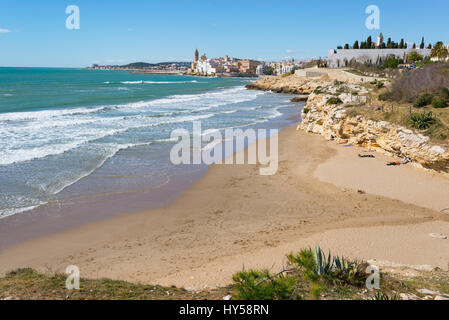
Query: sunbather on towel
[[398, 163], [394, 163], [366, 156]]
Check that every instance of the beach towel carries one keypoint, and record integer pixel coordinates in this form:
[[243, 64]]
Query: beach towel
[[366, 156], [394, 163]]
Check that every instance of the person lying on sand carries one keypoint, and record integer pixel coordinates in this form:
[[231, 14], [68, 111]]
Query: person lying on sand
[[398, 163], [366, 156], [394, 163]]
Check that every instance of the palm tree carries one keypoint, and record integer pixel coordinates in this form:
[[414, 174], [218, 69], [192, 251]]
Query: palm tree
[[439, 51]]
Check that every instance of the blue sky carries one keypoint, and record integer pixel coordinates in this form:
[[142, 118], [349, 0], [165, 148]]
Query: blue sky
[[33, 33]]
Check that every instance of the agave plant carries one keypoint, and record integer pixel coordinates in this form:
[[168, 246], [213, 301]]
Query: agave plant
[[422, 120], [324, 264], [338, 267]]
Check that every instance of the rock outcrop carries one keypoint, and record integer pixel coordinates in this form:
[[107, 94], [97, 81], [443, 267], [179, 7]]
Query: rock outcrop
[[291, 84], [330, 120]]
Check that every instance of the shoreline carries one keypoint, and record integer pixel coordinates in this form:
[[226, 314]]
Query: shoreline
[[233, 217], [73, 207]]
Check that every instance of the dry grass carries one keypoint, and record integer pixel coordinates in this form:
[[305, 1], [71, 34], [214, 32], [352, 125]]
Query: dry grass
[[27, 284], [399, 112], [430, 78]]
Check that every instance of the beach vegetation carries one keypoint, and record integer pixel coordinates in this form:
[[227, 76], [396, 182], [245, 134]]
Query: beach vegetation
[[306, 276], [439, 102], [384, 297], [334, 100], [444, 94], [311, 272], [261, 285], [423, 100], [422, 120], [318, 90], [385, 96], [28, 284]]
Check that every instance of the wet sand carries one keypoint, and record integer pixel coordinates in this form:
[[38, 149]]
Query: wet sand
[[234, 218]]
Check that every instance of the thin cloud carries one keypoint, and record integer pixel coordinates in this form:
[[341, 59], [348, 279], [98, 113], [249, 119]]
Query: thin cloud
[[290, 51], [5, 31]]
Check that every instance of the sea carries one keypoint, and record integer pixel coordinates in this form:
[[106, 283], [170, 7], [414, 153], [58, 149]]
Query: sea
[[69, 135]]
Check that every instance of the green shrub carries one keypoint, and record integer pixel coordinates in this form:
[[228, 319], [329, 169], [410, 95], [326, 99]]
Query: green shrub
[[422, 120], [444, 94], [423, 100], [386, 96], [305, 260], [260, 285], [317, 265], [383, 296], [338, 83], [334, 100], [318, 90], [306, 110], [438, 102], [391, 63]]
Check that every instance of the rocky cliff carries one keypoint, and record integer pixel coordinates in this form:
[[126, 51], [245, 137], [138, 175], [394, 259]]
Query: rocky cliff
[[290, 84], [326, 119]]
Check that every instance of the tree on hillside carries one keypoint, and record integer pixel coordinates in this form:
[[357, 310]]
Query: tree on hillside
[[414, 45], [346, 46], [369, 42], [391, 63], [356, 45], [429, 46], [422, 45], [414, 56], [389, 44], [439, 51], [401, 44]]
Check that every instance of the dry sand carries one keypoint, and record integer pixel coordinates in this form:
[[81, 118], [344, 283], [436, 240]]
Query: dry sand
[[235, 218]]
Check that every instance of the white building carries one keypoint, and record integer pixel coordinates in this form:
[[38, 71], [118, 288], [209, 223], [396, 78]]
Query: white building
[[260, 70], [207, 67], [286, 68]]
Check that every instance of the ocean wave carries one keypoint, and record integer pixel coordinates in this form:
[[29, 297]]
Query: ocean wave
[[26, 136], [230, 111], [12, 155], [12, 211], [157, 82]]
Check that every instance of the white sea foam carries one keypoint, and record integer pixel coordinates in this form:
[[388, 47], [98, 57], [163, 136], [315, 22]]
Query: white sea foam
[[26, 136], [45, 141], [95, 134], [10, 212], [230, 111], [157, 82]]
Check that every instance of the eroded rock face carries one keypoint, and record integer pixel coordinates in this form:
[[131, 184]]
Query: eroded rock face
[[291, 85], [334, 120]]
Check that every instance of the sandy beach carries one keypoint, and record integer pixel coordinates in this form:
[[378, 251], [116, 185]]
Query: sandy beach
[[234, 218]]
